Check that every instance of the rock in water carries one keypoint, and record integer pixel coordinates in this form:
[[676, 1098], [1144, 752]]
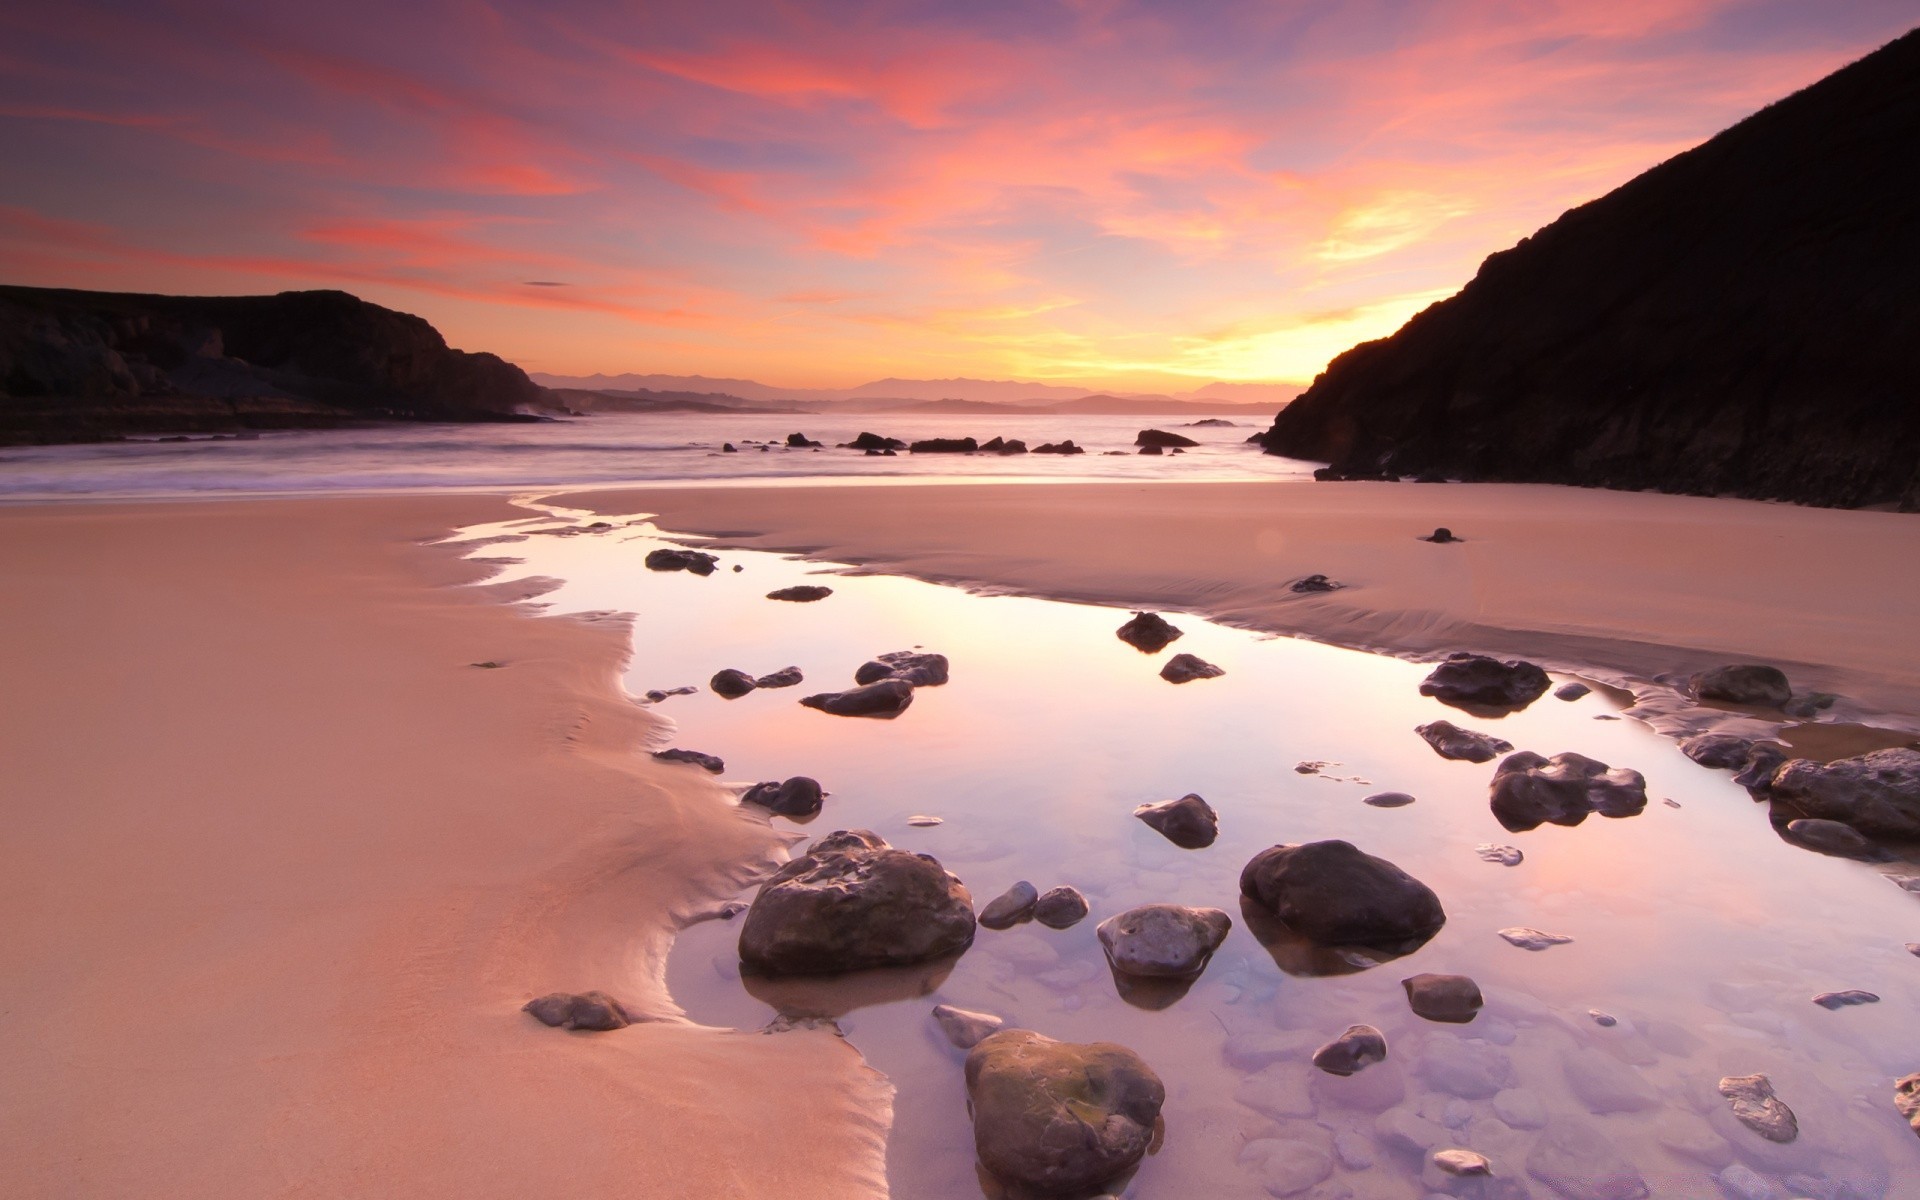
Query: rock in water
[[682, 560], [1465, 745], [1147, 632], [1718, 751], [1060, 908], [594, 1011], [1359, 1047], [1576, 1159], [1332, 893], [1462, 1162], [1160, 437], [1506, 856], [711, 763], [885, 699], [800, 441], [1765, 687], [912, 666], [1454, 999], [784, 677], [1189, 822], [1058, 1117], [1533, 939], [801, 593], [852, 902], [1314, 584], [1475, 679], [1185, 668], [1758, 1108], [731, 684], [1832, 1001], [1906, 1098], [966, 1029], [795, 797], [1388, 800], [1440, 537], [1878, 793], [1829, 837], [1529, 790], [1163, 941], [1573, 689], [1010, 907]]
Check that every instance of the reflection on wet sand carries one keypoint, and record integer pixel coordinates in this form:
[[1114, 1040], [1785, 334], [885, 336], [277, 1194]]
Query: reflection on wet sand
[[1696, 930]]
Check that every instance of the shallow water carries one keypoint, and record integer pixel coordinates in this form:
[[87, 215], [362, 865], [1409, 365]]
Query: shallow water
[[1695, 926], [623, 449]]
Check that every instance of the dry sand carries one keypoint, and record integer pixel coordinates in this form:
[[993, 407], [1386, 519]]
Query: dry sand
[[1638, 585], [278, 869]]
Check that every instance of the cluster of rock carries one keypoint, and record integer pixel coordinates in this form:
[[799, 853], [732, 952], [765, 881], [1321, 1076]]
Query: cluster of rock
[[667, 559], [1057, 908], [884, 686], [1530, 790], [732, 683]]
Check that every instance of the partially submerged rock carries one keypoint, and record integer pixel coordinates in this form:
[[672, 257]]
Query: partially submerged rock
[[964, 445], [1877, 794], [1832, 1001], [1163, 941], [1333, 893], [853, 902], [1506, 856], [885, 699], [917, 667], [1185, 668], [966, 1029], [1160, 437], [1314, 583], [1189, 822], [1529, 790], [1060, 908], [798, 796], [1010, 907], [784, 677], [801, 593], [1147, 632], [873, 441], [1359, 1047], [800, 441], [681, 560], [1454, 999], [1056, 1116], [731, 684], [1465, 745], [707, 762], [595, 1011], [1528, 938], [1746, 683], [1758, 1108], [1475, 679], [1573, 689], [1441, 536], [1066, 447], [1388, 800], [1830, 837], [1718, 751]]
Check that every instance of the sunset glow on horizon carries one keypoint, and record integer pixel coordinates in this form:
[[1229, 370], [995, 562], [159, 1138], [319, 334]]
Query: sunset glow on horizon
[[1137, 195]]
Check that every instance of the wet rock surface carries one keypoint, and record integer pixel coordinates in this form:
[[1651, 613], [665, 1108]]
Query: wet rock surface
[[1830, 837], [854, 902], [1314, 583], [731, 684], [913, 667], [1832, 1001], [885, 699], [682, 560], [1189, 822], [1389, 800], [1334, 893], [963, 1028], [1762, 686], [1877, 794], [1185, 668], [801, 593], [1056, 1116], [1010, 907], [1465, 745], [1573, 689], [1060, 908], [592, 1011], [1756, 1107], [1358, 1048], [1161, 438], [1479, 681], [1171, 941], [1528, 938], [1530, 790], [711, 763], [1718, 751], [1452, 999], [784, 677], [798, 796], [1148, 632]]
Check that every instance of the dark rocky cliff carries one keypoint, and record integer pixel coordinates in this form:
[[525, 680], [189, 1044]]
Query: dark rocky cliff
[[81, 366], [1742, 319]]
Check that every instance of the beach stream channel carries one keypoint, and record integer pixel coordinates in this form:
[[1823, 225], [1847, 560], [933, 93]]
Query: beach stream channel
[[1699, 932]]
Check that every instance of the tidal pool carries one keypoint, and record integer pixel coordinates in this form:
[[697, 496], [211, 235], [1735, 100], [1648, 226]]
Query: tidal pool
[[1695, 928]]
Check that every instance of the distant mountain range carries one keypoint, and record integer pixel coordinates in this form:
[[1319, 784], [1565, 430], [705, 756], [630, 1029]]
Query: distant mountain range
[[893, 395]]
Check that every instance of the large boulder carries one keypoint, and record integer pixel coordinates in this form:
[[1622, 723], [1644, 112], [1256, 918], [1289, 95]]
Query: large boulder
[[1877, 793], [1160, 437], [1147, 632], [1530, 791], [1333, 893], [1164, 941], [944, 446], [1478, 681], [854, 902], [885, 699], [1189, 822], [1747, 683], [1465, 745], [1059, 1117], [874, 441], [731, 683]]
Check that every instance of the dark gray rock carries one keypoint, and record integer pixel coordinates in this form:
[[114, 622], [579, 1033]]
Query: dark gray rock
[[874, 442], [1466, 745], [1441, 536], [1059, 1117], [966, 1029], [1060, 908], [965, 445], [854, 902], [682, 560], [1147, 632], [1833, 1001], [1807, 707], [1163, 941], [1314, 583], [1573, 689], [1010, 907], [595, 1011], [801, 593], [784, 677], [885, 699], [1160, 437], [1830, 837], [1189, 822], [1359, 1047], [1878, 793], [1765, 687], [800, 441], [1066, 447], [1150, 450], [1332, 893], [708, 762], [1388, 800], [1578, 1160], [795, 797], [1529, 790], [1718, 751], [1479, 681], [871, 671], [731, 684], [1756, 776], [1185, 668], [1754, 1103], [1454, 999], [916, 667]]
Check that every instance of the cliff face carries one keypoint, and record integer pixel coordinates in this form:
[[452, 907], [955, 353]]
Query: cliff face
[[79, 366], [1742, 319]]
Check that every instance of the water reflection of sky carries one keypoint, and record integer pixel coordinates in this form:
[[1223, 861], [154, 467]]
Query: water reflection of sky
[[1695, 925]]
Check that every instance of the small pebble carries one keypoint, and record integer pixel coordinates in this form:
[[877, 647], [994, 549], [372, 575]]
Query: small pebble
[[1604, 1020], [1506, 856], [1533, 939], [1670, 802], [921, 819], [1388, 800], [1837, 1000], [1462, 1162]]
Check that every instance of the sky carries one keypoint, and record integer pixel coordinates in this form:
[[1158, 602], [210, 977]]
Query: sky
[[1145, 195]]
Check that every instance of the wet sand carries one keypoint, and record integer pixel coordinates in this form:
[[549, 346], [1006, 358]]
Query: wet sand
[[1643, 585], [280, 868]]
